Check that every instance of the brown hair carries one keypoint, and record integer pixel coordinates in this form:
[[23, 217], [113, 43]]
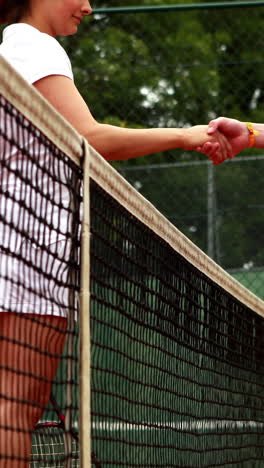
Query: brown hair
[[12, 10]]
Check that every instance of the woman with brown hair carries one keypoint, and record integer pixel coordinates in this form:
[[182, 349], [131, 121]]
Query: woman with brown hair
[[29, 45]]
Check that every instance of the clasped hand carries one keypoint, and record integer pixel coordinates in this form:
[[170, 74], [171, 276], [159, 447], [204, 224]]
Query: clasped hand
[[226, 138]]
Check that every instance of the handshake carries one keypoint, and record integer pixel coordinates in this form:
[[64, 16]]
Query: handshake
[[223, 138]]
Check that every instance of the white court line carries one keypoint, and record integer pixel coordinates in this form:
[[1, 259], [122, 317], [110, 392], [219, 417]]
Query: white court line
[[180, 426]]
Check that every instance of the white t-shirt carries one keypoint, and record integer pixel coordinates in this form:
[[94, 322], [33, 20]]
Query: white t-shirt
[[34, 55]]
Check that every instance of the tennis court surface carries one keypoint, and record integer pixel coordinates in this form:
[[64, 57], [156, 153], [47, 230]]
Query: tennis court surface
[[168, 345]]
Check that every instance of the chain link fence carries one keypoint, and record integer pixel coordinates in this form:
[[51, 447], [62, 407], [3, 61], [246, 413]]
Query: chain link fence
[[175, 66]]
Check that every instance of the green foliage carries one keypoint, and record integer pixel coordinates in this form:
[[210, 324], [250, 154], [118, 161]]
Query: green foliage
[[181, 68], [175, 69], [169, 68]]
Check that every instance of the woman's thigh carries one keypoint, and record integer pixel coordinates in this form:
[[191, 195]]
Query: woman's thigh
[[30, 351]]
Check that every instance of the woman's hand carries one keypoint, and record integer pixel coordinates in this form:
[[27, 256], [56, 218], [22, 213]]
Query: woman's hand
[[217, 147], [233, 130]]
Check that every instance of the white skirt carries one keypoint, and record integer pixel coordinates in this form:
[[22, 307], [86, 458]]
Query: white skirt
[[36, 283]]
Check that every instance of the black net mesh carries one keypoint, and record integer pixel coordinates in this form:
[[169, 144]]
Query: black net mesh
[[177, 363], [40, 200]]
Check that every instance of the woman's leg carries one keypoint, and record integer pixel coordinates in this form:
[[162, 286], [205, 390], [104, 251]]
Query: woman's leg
[[30, 350]]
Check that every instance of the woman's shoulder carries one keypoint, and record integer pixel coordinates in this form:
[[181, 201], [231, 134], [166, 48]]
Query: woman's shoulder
[[25, 35], [33, 53]]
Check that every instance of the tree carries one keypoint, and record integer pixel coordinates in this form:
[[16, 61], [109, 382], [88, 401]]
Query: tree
[[180, 68]]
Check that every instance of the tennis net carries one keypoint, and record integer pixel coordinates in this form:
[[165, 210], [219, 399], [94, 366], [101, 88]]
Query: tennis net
[[176, 362]]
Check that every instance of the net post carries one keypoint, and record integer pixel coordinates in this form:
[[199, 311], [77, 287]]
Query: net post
[[210, 211], [85, 356], [75, 184]]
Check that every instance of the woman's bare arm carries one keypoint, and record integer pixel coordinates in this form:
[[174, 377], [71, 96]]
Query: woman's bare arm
[[115, 143]]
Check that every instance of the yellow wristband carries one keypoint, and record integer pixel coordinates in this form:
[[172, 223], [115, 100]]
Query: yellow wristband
[[252, 134]]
